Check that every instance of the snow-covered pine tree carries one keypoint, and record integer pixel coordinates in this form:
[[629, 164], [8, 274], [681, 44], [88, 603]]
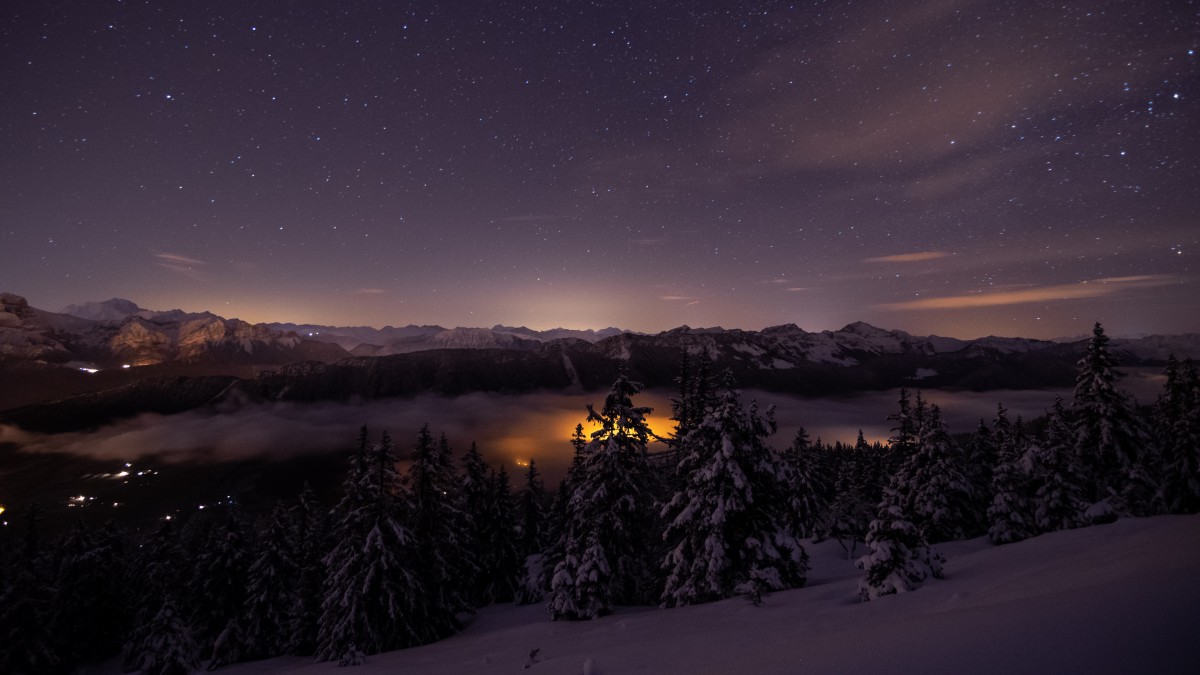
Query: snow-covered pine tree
[[539, 569], [604, 549], [373, 601], [531, 509], [1109, 438], [903, 441], [980, 455], [898, 557], [805, 473], [479, 521], [439, 527], [308, 538], [850, 512], [162, 563], [309, 532], [504, 561], [166, 647], [936, 494], [218, 586], [1057, 502], [1010, 515], [681, 412], [1177, 421], [89, 615], [873, 467], [25, 604], [269, 612], [695, 394], [728, 526]]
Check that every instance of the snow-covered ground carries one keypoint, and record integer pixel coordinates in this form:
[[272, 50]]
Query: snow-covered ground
[[1120, 598]]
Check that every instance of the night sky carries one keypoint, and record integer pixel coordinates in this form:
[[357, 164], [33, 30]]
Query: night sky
[[960, 168]]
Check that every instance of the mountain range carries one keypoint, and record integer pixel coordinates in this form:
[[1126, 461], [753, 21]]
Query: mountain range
[[95, 361]]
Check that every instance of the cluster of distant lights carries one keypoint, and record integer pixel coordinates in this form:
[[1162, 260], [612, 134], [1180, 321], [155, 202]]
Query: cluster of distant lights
[[228, 501], [82, 501], [125, 473], [96, 370]]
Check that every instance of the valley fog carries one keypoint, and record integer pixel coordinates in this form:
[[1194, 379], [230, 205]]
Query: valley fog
[[508, 429]]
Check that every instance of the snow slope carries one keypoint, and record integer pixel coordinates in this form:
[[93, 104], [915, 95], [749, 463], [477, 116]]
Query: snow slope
[[1119, 598]]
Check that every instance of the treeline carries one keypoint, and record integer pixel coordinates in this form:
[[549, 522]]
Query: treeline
[[404, 559]]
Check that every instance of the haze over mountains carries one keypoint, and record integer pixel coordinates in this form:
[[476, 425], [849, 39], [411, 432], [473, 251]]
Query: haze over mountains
[[97, 361]]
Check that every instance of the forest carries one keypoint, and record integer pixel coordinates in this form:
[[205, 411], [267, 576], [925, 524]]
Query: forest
[[405, 557]]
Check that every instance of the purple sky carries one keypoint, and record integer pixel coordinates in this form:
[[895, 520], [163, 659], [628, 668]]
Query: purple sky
[[954, 167]]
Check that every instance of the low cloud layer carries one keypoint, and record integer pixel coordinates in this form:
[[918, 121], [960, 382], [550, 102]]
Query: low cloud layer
[[508, 429]]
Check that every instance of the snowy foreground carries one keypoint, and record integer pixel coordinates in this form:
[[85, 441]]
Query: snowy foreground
[[1120, 598]]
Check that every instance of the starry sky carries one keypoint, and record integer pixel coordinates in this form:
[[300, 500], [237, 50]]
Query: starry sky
[[958, 167]]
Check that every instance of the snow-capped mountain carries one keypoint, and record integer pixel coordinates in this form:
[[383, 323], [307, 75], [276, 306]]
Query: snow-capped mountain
[[453, 338], [368, 341], [118, 332], [789, 346], [115, 309], [270, 365]]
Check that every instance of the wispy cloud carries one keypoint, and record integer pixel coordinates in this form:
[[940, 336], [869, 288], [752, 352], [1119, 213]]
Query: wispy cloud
[[908, 257], [181, 264], [689, 299], [368, 291], [1085, 289], [179, 259]]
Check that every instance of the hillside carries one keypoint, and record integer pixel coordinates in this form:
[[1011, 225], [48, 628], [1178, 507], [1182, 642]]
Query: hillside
[[1120, 598]]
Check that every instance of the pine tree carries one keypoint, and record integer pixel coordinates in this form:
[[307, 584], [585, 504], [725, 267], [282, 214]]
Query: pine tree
[[1177, 420], [166, 647], [695, 395], [439, 529], [89, 617], [309, 528], [605, 546], [504, 561], [681, 411], [850, 512], [728, 526], [1108, 437], [936, 494], [162, 563], [807, 485], [219, 579], [530, 504], [1057, 497], [270, 609], [1010, 517], [899, 558], [373, 601], [25, 604], [533, 535], [479, 522], [904, 435]]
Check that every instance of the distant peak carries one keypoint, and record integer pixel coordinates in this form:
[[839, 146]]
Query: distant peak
[[114, 309], [862, 326]]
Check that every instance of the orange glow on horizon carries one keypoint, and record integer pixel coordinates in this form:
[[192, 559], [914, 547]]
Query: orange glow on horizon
[[543, 434]]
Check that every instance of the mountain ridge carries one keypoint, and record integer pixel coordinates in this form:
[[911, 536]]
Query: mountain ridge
[[60, 356]]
